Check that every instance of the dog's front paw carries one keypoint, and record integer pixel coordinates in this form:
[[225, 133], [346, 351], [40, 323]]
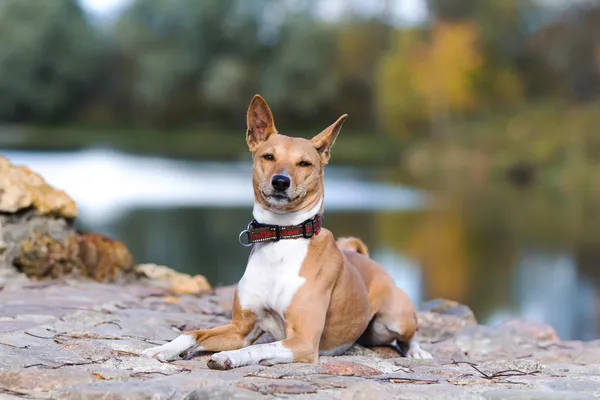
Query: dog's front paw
[[222, 361], [160, 353], [415, 351], [170, 351]]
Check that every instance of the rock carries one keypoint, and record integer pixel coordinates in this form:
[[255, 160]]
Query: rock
[[21, 189], [176, 282], [522, 366], [223, 393], [117, 391], [27, 227], [38, 238], [11, 326], [588, 355], [282, 387], [82, 341], [379, 351], [102, 258], [382, 352], [43, 256], [48, 248], [520, 394], [430, 392], [89, 349], [85, 255], [294, 370], [575, 385], [536, 331], [347, 369], [186, 381], [364, 391], [27, 380], [48, 356], [449, 307], [441, 320]]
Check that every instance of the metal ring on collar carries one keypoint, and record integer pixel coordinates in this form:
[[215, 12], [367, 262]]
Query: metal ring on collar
[[246, 231]]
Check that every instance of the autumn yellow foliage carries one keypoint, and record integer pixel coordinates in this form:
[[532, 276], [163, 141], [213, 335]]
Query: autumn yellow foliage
[[421, 78]]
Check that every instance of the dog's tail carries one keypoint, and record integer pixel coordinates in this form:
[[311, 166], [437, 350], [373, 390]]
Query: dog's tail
[[353, 244]]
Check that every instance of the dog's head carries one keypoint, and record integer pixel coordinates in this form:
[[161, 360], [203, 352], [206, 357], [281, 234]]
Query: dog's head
[[287, 171]]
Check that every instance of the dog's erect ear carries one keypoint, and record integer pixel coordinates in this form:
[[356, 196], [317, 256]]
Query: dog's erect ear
[[324, 140], [260, 121]]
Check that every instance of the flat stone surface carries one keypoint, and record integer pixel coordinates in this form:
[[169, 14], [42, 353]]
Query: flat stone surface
[[81, 341]]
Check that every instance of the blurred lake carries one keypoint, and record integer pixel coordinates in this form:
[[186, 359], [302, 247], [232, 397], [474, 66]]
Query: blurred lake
[[188, 215]]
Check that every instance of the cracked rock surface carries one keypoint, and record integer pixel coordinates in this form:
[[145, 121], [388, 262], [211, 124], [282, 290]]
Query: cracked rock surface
[[80, 340]]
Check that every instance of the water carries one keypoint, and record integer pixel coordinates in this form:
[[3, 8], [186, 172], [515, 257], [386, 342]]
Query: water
[[188, 215]]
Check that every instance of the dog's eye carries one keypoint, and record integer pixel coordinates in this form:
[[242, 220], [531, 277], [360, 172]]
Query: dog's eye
[[268, 157], [304, 164]]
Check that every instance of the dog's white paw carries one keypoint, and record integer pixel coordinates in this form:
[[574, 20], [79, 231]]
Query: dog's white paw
[[170, 351], [160, 353], [223, 360], [415, 351]]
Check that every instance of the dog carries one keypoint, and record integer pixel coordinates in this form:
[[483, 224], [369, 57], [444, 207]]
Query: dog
[[313, 294]]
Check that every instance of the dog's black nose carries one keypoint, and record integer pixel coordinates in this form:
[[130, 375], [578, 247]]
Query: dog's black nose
[[280, 182]]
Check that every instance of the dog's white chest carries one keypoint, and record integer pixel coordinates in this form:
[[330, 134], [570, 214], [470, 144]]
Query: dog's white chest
[[270, 282]]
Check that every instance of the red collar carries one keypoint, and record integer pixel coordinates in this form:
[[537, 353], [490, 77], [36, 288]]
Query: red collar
[[257, 232]]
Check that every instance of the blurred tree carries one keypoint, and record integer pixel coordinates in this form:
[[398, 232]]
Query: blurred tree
[[399, 104], [48, 59], [443, 74], [432, 80], [187, 56], [298, 78], [568, 46], [192, 60], [360, 45]]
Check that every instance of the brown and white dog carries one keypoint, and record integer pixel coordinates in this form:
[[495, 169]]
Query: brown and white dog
[[314, 295]]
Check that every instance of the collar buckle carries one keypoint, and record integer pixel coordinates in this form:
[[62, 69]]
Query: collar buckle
[[277, 232], [305, 232]]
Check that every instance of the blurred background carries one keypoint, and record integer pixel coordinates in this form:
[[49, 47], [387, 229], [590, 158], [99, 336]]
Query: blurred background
[[469, 162]]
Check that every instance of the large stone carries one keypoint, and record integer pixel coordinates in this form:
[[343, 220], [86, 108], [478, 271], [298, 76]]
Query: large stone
[[48, 356], [364, 391], [79, 255], [22, 189], [533, 330], [91, 350], [449, 307], [176, 282], [348, 369], [117, 391], [43, 247], [521, 394], [278, 387], [102, 258], [82, 340], [38, 238], [223, 393], [27, 380], [430, 392]]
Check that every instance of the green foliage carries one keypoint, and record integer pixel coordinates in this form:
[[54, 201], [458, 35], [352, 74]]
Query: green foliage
[[299, 77], [181, 63], [48, 59]]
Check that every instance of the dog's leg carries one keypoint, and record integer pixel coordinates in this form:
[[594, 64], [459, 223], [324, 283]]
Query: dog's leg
[[281, 352], [305, 321], [242, 331], [415, 351], [395, 324]]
